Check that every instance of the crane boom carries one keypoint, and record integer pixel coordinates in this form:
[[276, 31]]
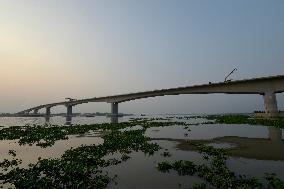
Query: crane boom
[[230, 74], [70, 99]]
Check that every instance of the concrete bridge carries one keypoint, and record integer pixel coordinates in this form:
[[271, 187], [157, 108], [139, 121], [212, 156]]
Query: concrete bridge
[[265, 86]]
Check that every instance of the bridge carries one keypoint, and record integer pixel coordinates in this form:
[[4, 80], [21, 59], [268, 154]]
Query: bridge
[[265, 86]]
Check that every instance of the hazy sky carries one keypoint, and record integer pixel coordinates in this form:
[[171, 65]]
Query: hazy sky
[[54, 49]]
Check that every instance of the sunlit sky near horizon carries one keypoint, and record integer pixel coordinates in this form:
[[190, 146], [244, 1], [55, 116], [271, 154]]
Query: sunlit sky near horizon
[[53, 49]]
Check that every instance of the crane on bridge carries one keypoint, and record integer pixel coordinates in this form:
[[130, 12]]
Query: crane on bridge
[[71, 99], [226, 78]]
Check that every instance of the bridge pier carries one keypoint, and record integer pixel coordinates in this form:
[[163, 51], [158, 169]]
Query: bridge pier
[[270, 103], [275, 134], [114, 119], [36, 111], [69, 110], [68, 120], [47, 111], [114, 109], [47, 119]]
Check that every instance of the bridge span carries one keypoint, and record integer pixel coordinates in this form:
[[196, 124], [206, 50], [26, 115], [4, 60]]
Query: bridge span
[[265, 86]]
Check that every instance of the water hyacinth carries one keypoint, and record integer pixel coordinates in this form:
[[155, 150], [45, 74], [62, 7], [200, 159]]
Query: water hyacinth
[[45, 136], [83, 166], [242, 119], [216, 172], [79, 167]]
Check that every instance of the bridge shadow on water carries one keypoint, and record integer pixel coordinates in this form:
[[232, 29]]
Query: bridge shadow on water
[[69, 120]]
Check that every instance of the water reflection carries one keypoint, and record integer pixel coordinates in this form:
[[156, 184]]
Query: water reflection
[[246, 145], [263, 148], [47, 119], [275, 134], [114, 119], [68, 120]]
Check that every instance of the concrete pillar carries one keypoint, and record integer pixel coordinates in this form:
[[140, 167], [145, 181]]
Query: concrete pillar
[[275, 134], [69, 111], [114, 109], [68, 120], [47, 119], [270, 104], [114, 119], [47, 111]]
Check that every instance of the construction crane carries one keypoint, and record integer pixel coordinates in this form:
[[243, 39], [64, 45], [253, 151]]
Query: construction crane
[[70, 99], [226, 78]]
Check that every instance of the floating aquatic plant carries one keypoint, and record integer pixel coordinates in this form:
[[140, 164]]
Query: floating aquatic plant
[[164, 166], [80, 167], [216, 172], [273, 181], [242, 119], [199, 186], [166, 154], [45, 136]]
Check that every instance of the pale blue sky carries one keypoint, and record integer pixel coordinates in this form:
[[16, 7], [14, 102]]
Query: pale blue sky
[[53, 49]]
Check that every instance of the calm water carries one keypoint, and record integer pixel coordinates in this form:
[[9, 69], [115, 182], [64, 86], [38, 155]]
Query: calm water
[[260, 152]]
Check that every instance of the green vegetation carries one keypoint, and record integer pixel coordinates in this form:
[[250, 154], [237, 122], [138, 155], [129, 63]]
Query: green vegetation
[[166, 154], [79, 167], [83, 167], [199, 186], [45, 136], [184, 167], [274, 182], [164, 166], [241, 119], [216, 172]]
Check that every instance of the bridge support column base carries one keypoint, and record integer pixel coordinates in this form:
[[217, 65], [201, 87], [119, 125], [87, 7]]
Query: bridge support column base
[[69, 111], [270, 104], [47, 112], [114, 109], [275, 134]]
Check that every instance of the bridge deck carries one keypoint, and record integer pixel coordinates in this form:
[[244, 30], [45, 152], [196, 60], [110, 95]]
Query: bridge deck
[[247, 86]]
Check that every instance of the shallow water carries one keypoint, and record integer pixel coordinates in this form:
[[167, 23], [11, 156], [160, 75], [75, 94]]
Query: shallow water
[[140, 170], [56, 120]]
